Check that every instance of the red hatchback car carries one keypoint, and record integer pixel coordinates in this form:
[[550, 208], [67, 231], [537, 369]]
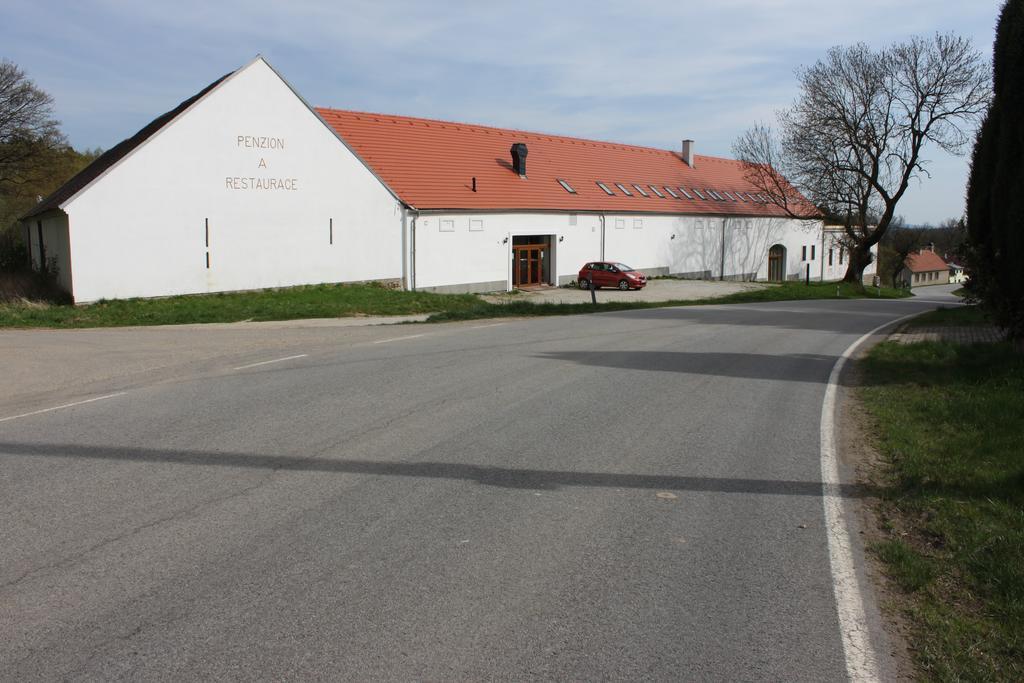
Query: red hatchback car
[[610, 274]]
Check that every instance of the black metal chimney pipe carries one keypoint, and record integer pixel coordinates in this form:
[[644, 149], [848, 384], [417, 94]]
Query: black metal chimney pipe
[[519, 158]]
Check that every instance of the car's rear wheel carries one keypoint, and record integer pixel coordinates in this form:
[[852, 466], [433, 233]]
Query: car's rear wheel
[[623, 285], [583, 283]]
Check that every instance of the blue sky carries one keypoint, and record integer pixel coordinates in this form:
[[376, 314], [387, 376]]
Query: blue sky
[[648, 73]]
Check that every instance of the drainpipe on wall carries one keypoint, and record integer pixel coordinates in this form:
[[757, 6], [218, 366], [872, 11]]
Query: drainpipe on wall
[[412, 253], [721, 271], [602, 237], [822, 255]]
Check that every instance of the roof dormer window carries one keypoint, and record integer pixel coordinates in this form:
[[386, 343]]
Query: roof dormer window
[[566, 186], [656, 191], [622, 188], [640, 190], [671, 192], [604, 187], [685, 193]]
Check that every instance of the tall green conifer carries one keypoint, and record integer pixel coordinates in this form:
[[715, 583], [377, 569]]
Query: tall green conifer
[[995, 193]]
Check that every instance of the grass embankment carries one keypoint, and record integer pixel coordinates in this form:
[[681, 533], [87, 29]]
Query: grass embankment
[[790, 291], [332, 301], [316, 301], [951, 431], [958, 316]]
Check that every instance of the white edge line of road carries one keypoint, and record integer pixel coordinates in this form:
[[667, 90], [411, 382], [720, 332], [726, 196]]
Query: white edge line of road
[[861, 661], [268, 362], [394, 339], [66, 405]]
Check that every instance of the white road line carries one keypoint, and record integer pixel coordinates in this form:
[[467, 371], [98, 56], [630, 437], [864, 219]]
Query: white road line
[[66, 405], [393, 339], [268, 362], [480, 327], [861, 661]]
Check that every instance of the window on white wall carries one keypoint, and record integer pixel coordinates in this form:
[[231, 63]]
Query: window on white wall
[[638, 223], [447, 225], [620, 223], [476, 225]]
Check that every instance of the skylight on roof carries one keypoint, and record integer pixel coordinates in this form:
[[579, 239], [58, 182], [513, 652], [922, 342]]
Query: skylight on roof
[[623, 189], [714, 195], [604, 187], [640, 190], [685, 193], [566, 186], [671, 192], [726, 193], [697, 192], [740, 195], [764, 197], [656, 191]]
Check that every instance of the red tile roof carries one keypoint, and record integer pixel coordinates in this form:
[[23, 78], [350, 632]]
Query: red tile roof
[[925, 261], [430, 165]]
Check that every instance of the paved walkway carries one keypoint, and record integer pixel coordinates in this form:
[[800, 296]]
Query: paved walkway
[[957, 335], [656, 290]]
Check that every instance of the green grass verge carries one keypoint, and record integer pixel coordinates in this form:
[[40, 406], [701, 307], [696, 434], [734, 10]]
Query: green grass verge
[[958, 316], [316, 301], [790, 291], [950, 426], [331, 301]]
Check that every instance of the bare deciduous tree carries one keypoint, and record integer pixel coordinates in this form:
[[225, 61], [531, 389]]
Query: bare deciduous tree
[[28, 131], [852, 141]]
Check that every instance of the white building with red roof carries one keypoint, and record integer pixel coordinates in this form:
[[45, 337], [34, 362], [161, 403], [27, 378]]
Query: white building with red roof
[[922, 268], [245, 186]]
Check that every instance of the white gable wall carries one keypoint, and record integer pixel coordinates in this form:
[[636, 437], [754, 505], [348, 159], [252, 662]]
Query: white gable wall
[[140, 230]]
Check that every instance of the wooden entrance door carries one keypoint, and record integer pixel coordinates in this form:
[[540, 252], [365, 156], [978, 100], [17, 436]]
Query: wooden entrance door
[[528, 261], [777, 263]]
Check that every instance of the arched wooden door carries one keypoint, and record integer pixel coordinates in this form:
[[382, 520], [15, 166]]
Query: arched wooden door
[[777, 263]]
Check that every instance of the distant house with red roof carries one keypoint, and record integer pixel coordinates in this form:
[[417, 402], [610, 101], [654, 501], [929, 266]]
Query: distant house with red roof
[[923, 267], [245, 186]]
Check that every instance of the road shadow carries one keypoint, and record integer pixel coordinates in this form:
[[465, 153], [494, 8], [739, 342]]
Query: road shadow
[[795, 367], [503, 477]]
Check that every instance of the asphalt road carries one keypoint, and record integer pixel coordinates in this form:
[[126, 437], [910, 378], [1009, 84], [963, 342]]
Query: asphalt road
[[630, 495]]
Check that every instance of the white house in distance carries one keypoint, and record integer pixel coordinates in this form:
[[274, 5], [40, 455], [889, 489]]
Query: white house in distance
[[245, 186]]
